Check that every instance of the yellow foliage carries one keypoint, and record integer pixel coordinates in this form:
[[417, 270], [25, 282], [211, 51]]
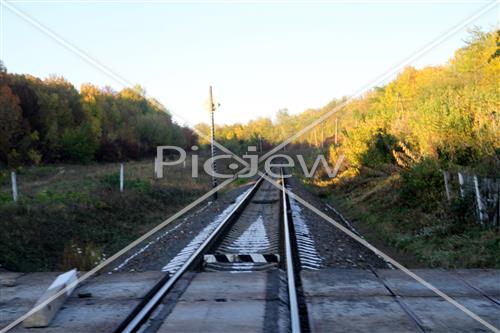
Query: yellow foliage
[[449, 111]]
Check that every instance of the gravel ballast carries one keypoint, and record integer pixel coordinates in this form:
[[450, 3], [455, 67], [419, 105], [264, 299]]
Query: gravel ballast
[[332, 246], [160, 249], [336, 248]]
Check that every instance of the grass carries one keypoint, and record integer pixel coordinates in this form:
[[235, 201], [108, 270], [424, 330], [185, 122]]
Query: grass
[[75, 216], [438, 236]]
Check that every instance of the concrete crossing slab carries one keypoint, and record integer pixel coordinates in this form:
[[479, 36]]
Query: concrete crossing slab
[[209, 286], [375, 314], [338, 300], [217, 317], [108, 300], [21, 293], [486, 280], [349, 300], [26, 287], [86, 316], [437, 315], [226, 302], [8, 279], [402, 284], [342, 283]]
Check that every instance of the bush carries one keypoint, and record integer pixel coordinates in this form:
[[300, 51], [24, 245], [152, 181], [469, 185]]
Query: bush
[[108, 152], [152, 130], [460, 209], [84, 257], [379, 150], [113, 181], [79, 145], [34, 157], [118, 150], [422, 185], [14, 159], [129, 149], [5, 197]]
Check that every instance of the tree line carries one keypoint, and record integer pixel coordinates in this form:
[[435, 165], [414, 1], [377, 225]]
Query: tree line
[[447, 113], [46, 121]]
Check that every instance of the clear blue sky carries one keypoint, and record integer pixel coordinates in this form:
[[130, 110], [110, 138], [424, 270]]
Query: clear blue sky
[[259, 57]]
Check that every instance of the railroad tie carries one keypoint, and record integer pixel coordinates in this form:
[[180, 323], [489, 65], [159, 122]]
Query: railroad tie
[[249, 258]]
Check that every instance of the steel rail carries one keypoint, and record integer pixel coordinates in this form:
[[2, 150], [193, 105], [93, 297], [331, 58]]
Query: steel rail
[[135, 323], [290, 273]]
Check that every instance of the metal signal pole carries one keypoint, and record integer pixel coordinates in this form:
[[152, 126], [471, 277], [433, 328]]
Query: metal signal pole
[[212, 108]]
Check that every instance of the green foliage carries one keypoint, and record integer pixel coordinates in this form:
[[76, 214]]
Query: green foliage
[[112, 180], [10, 119], [379, 150], [152, 130], [14, 159], [461, 210], [447, 113], [79, 145], [5, 197], [85, 257], [81, 217], [49, 120], [426, 120], [444, 237], [140, 185], [422, 185], [45, 197]]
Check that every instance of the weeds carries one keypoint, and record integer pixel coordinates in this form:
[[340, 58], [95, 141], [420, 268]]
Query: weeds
[[422, 186], [85, 257], [78, 218], [409, 211]]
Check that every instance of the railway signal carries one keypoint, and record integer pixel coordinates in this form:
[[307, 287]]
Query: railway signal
[[212, 106]]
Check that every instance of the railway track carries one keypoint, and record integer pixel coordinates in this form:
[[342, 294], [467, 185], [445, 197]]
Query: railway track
[[243, 277]]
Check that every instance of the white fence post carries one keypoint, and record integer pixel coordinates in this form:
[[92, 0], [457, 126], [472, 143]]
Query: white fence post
[[121, 177], [461, 183], [14, 185], [156, 168], [480, 207]]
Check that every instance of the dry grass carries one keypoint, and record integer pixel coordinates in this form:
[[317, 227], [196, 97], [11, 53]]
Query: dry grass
[[438, 238], [74, 215]]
